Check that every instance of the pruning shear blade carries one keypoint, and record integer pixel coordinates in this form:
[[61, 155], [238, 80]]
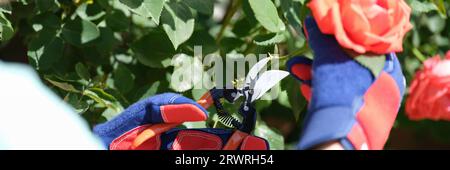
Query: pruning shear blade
[[253, 73], [266, 81]]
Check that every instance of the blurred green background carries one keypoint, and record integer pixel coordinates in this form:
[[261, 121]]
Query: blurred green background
[[101, 56]]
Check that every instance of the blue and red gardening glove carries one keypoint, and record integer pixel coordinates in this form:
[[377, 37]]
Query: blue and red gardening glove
[[347, 103], [151, 124]]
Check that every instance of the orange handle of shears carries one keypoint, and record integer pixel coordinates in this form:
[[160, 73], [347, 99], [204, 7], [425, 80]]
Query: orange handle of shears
[[205, 101], [150, 132], [235, 140]]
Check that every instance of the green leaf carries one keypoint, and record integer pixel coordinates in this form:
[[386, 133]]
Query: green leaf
[[202, 6], [82, 71], [275, 139], [243, 27], [46, 5], [267, 15], [296, 100], [109, 114], [151, 91], [89, 32], [6, 29], [47, 21], [249, 14], [123, 79], [441, 7], [283, 99], [422, 7], [268, 39], [291, 11], [229, 44], [107, 42], [104, 99], [103, 94], [198, 93], [374, 63], [177, 22], [203, 39], [90, 12], [436, 24], [132, 3], [264, 49], [146, 8], [45, 50], [63, 85], [117, 21], [78, 104], [80, 31], [152, 49], [5, 8], [411, 65]]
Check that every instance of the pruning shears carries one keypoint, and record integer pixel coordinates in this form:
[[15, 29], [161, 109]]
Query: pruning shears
[[254, 87]]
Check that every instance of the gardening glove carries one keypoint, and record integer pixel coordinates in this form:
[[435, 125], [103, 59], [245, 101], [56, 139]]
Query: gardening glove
[[347, 103], [151, 124]]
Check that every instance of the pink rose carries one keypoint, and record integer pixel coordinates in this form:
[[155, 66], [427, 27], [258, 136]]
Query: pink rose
[[430, 91]]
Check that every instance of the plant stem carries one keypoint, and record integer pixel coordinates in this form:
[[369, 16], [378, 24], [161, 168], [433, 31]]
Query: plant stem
[[231, 10], [418, 55], [295, 53]]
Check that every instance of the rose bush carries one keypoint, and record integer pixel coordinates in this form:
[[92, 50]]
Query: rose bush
[[430, 91], [375, 26]]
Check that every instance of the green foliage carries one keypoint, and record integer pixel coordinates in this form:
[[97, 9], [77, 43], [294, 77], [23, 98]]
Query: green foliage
[[101, 56]]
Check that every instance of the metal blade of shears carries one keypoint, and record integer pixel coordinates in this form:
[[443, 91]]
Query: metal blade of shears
[[252, 75], [266, 81]]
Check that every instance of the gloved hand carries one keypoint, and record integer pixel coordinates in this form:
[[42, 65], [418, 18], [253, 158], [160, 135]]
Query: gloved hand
[[347, 103], [150, 124]]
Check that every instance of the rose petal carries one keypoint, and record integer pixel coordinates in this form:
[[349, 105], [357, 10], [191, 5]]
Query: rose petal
[[321, 12], [340, 34], [379, 18], [442, 69], [355, 23], [321, 8]]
